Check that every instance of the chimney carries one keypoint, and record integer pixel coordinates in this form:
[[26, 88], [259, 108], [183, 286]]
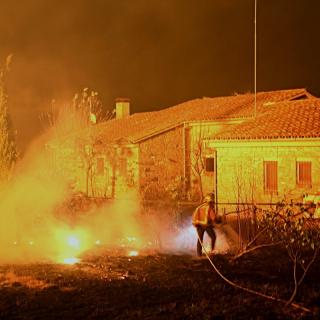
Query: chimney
[[122, 108]]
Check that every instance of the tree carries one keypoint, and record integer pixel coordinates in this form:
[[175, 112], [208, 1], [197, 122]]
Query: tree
[[71, 127], [197, 155], [8, 152], [85, 110]]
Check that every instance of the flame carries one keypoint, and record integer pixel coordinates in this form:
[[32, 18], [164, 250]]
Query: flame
[[70, 244], [133, 253], [71, 261]]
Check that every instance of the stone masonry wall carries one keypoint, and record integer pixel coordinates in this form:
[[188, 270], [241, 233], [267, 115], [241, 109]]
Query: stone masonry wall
[[240, 171], [161, 163], [119, 172]]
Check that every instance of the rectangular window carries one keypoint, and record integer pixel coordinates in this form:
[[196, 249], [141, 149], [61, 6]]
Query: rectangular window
[[209, 164], [271, 176], [100, 166], [304, 174]]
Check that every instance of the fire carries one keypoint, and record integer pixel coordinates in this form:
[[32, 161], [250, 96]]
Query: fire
[[133, 253], [35, 220], [70, 244], [71, 261]]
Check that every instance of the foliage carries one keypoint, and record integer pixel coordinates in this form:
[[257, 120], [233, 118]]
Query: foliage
[[8, 152], [295, 227], [299, 232], [73, 123], [84, 110]]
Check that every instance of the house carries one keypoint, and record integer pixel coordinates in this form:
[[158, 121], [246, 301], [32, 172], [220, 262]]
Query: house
[[199, 146], [271, 157]]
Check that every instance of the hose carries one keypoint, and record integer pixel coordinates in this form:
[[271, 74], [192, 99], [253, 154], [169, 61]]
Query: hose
[[244, 288]]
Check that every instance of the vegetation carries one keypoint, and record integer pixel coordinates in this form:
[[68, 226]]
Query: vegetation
[[84, 110], [295, 228], [8, 152], [291, 227], [72, 123]]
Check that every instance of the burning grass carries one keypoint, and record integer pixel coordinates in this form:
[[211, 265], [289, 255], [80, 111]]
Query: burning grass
[[108, 283], [9, 278]]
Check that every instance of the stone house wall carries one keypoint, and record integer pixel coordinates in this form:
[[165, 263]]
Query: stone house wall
[[161, 163], [104, 171], [197, 134], [157, 166], [240, 169]]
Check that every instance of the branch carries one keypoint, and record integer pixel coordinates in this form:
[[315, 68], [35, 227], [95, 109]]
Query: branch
[[255, 248], [256, 236], [295, 281], [315, 254], [233, 284]]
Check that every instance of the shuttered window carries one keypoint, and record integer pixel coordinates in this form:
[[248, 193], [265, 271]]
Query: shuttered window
[[209, 162], [271, 176], [304, 174]]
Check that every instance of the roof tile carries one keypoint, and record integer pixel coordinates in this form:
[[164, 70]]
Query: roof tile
[[141, 125]]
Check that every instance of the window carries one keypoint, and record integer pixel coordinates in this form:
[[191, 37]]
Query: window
[[304, 174], [209, 164], [100, 166], [271, 176]]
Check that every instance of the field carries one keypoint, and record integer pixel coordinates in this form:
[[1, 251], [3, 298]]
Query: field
[[108, 284]]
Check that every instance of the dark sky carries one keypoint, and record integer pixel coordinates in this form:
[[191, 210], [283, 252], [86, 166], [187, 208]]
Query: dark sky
[[156, 52]]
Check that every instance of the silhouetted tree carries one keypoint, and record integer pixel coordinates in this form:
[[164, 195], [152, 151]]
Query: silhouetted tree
[[74, 122], [8, 152]]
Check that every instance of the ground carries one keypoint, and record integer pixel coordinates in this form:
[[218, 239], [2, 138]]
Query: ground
[[107, 284]]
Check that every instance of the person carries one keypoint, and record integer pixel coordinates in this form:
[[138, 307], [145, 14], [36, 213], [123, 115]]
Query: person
[[204, 218]]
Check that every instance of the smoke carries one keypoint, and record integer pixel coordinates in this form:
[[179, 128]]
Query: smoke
[[186, 241], [32, 228], [27, 204], [183, 239], [32, 222], [34, 225]]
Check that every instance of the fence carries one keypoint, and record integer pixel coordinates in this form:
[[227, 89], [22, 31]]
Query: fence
[[242, 217]]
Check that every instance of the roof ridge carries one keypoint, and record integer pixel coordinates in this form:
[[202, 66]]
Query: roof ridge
[[144, 124]]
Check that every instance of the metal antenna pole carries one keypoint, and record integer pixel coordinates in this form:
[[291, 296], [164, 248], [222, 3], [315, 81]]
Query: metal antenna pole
[[255, 58]]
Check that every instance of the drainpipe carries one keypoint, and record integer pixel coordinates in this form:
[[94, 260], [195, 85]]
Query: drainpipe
[[184, 156], [184, 149], [216, 179]]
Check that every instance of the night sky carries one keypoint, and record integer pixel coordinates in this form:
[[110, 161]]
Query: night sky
[[155, 52]]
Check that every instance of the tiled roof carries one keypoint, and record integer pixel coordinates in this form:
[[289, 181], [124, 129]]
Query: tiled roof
[[142, 125], [289, 119]]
